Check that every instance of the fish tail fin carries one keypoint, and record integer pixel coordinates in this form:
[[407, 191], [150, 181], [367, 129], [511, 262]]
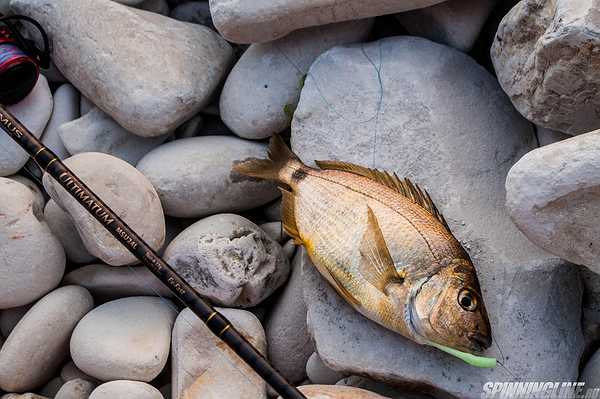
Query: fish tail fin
[[281, 164]]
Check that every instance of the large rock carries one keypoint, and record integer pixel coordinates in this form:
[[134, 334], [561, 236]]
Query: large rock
[[126, 339], [125, 190], [229, 259], [205, 368], [263, 89], [107, 283], [456, 23], [442, 120], [553, 196], [63, 228], [96, 131], [336, 392], [34, 112], [66, 109], [290, 345], [194, 176], [39, 344], [545, 58], [260, 21], [149, 72], [126, 390], [32, 261]]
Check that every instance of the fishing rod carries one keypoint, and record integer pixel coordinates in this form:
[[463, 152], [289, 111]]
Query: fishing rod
[[214, 320]]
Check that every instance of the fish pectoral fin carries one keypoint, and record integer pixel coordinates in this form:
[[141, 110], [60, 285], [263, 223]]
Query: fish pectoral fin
[[403, 186], [376, 264], [288, 215]]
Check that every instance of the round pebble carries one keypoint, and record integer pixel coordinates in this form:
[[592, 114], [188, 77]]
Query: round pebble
[[126, 390], [39, 344], [127, 338]]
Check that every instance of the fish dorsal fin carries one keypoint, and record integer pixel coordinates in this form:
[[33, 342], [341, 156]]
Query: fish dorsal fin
[[288, 215], [376, 264], [391, 180]]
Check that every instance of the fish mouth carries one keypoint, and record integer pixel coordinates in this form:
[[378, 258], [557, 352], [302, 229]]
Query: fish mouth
[[479, 342]]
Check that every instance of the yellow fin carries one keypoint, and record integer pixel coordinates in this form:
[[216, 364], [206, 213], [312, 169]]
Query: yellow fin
[[376, 264], [344, 293], [288, 215], [403, 186]]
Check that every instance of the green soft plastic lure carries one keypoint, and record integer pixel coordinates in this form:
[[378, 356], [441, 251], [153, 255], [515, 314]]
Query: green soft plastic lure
[[473, 360]]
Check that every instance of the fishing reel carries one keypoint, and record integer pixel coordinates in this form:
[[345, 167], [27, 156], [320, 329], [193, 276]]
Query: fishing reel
[[20, 59]]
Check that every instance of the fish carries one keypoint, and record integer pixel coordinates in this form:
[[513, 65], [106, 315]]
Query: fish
[[382, 244]]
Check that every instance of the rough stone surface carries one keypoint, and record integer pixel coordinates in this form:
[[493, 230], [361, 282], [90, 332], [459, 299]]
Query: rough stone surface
[[261, 21], [30, 356], [229, 259], [75, 389], [127, 338], [26, 274], [205, 368], [290, 345], [456, 23], [442, 120], [111, 179], [336, 392], [66, 109], [63, 228], [33, 111], [545, 58], [194, 176], [96, 131], [107, 283], [318, 373], [130, 81], [263, 88], [553, 196], [126, 390]]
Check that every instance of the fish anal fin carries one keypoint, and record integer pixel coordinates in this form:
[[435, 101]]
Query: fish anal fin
[[288, 215], [403, 186], [376, 264], [339, 287]]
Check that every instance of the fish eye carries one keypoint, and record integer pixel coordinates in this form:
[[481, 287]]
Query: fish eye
[[467, 300]]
